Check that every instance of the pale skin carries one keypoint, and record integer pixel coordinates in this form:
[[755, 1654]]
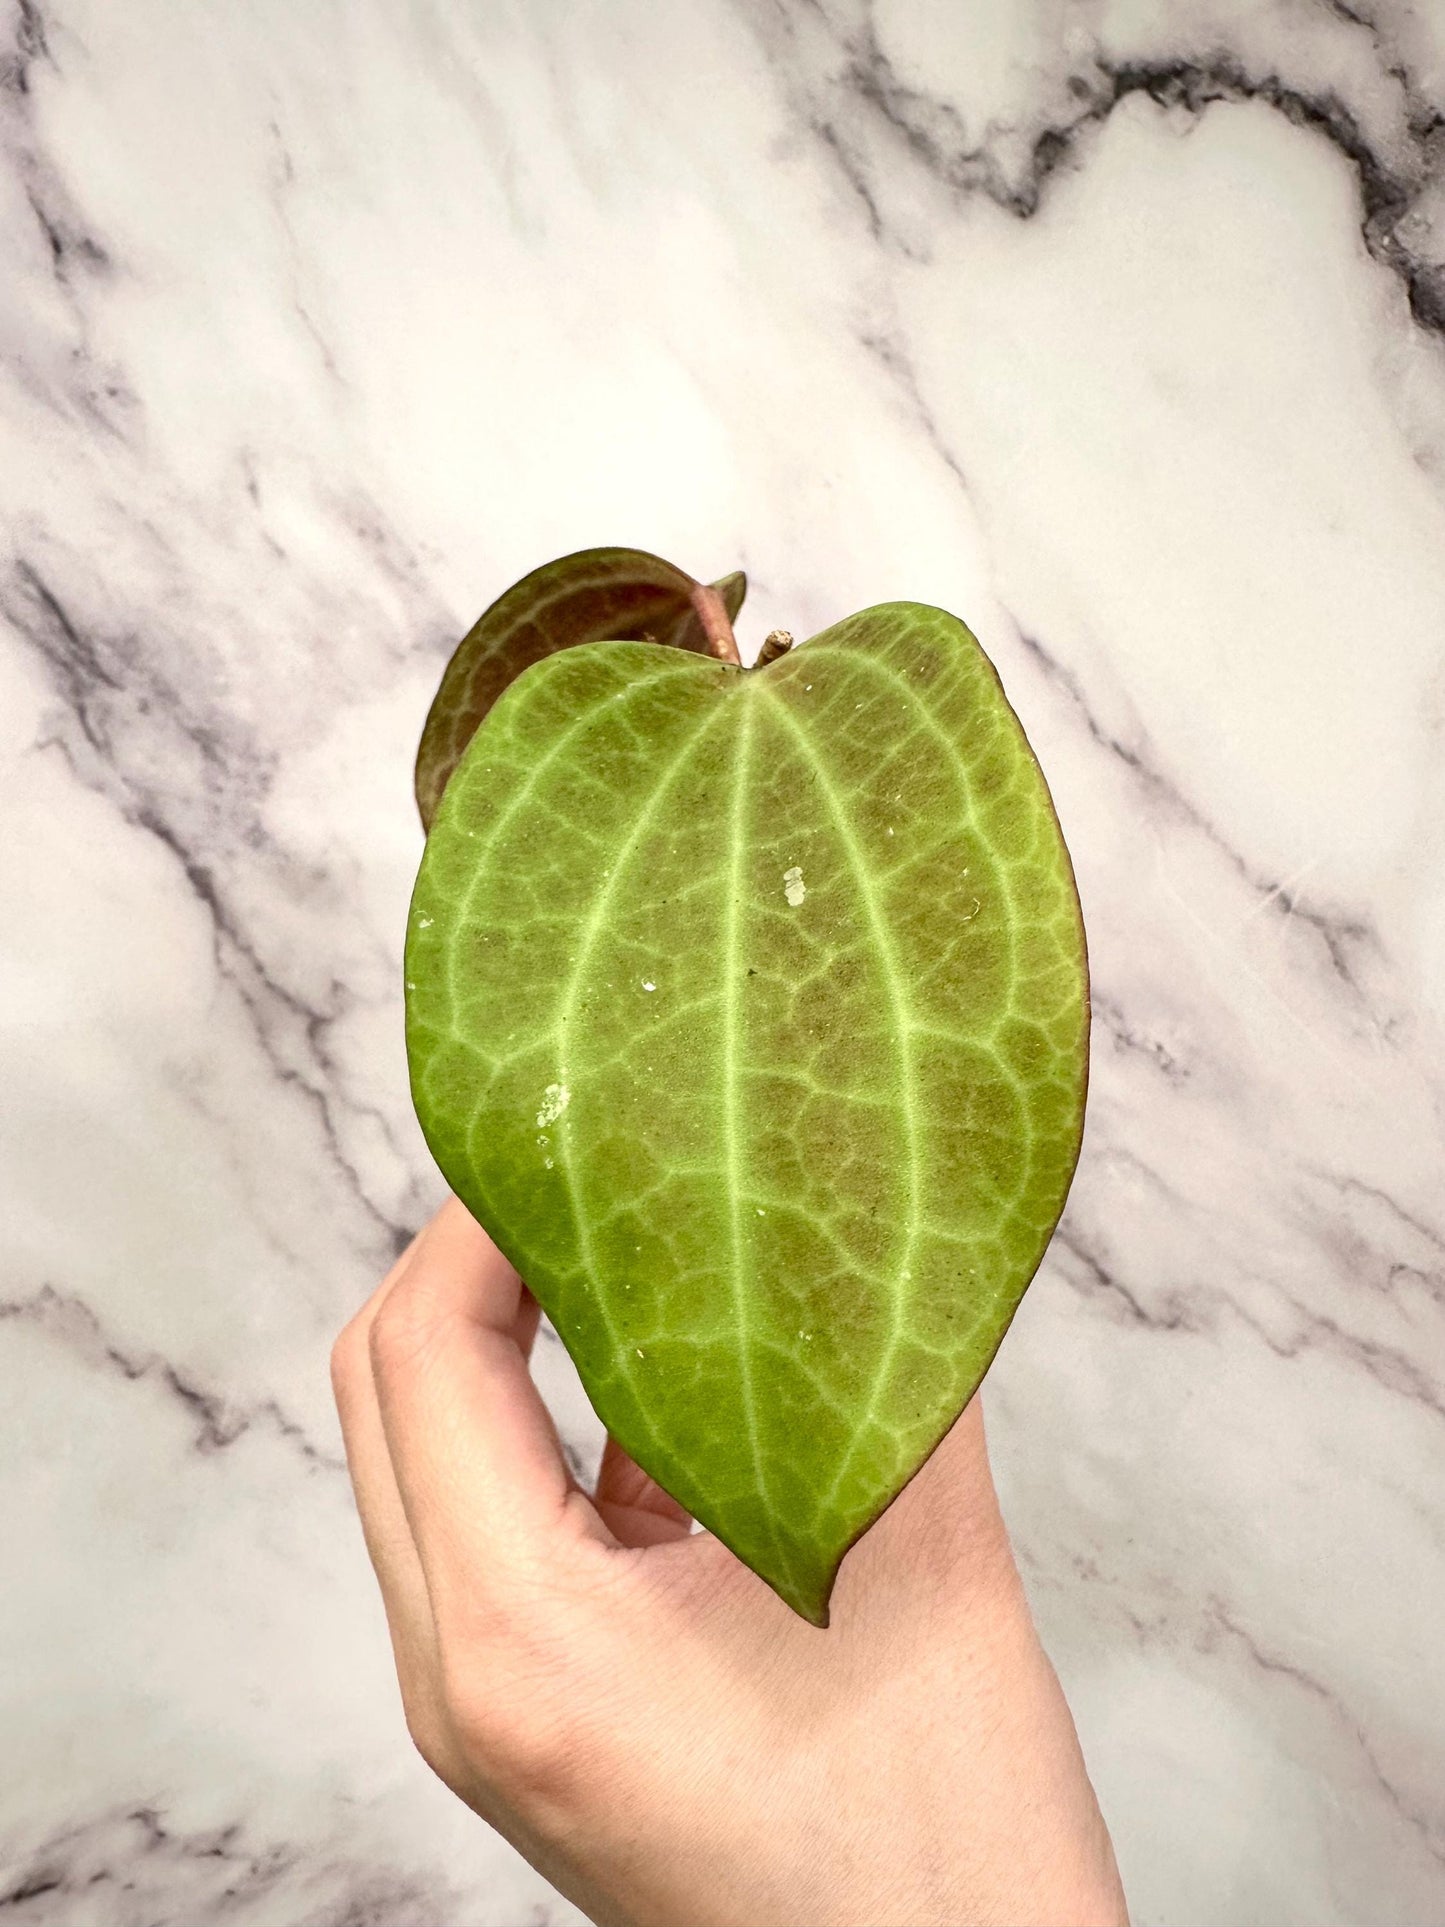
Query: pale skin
[[642, 1717]]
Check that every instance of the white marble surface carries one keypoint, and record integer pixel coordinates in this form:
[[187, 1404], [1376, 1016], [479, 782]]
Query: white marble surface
[[1118, 328]]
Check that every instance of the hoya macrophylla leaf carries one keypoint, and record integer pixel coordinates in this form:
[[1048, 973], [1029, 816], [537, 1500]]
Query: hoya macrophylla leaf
[[624, 594], [748, 1011]]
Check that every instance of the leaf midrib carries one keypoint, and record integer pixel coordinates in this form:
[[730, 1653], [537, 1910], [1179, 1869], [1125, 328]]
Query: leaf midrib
[[732, 970]]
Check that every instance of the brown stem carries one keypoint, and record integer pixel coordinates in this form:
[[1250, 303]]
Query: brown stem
[[777, 642], [716, 625]]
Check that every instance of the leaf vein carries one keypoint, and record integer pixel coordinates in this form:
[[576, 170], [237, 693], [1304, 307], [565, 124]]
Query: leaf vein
[[902, 1019]]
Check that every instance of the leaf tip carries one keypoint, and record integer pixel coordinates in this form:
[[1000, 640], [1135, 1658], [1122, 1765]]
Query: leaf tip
[[733, 589]]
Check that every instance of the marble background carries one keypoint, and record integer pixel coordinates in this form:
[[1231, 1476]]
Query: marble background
[[1117, 328]]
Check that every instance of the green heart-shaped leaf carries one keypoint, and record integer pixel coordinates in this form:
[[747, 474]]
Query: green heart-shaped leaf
[[748, 1011], [597, 594]]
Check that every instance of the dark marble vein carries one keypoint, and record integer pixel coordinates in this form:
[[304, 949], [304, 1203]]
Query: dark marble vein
[[78, 259], [103, 681], [1131, 1040], [1346, 937], [1094, 1278], [889, 351], [931, 131], [31, 45], [283, 180], [218, 1421], [1378, 1245], [138, 1855], [242, 966], [1222, 1624], [853, 172], [1347, 1185], [1391, 1368], [1210, 1626]]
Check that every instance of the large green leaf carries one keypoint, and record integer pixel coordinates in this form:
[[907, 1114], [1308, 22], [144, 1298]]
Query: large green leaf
[[598, 593], [748, 1011]]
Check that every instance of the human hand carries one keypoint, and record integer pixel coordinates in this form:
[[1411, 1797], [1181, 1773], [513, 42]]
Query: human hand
[[640, 1714]]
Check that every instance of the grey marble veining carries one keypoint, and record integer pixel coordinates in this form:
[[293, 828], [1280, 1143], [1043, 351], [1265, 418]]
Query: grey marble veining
[[1120, 330]]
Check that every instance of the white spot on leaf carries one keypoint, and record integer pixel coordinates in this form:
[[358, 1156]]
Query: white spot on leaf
[[794, 888], [555, 1100], [647, 984]]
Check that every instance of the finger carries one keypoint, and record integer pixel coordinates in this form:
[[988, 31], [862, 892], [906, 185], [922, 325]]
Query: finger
[[478, 1463], [634, 1505], [383, 1521], [385, 1526]]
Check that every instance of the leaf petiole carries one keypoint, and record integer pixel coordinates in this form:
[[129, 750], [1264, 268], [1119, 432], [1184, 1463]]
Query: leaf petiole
[[716, 623]]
